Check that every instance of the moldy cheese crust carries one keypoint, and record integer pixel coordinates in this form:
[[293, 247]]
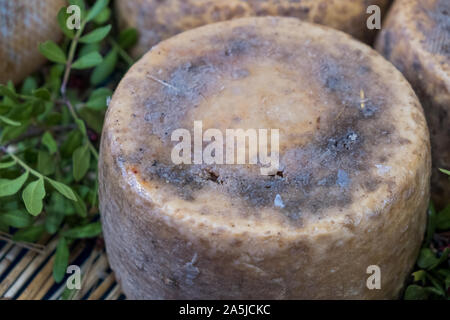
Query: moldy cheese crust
[[346, 119], [416, 39], [157, 20]]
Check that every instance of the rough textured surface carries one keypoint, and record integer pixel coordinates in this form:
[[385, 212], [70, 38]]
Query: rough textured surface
[[346, 196], [157, 20], [23, 25], [416, 39]]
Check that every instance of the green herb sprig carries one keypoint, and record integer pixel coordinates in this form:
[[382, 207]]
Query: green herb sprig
[[49, 134], [431, 279]]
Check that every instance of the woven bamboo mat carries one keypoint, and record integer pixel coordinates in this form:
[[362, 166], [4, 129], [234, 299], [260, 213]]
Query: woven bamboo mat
[[26, 272]]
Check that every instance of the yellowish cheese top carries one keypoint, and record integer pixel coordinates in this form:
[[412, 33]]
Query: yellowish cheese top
[[351, 130]]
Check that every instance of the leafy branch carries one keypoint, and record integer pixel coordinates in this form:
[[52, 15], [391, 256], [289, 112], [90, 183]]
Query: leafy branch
[[49, 134]]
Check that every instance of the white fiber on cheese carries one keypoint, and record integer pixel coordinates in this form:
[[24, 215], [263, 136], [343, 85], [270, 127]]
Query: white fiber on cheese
[[416, 39], [23, 25], [157, 20], [351, 189]]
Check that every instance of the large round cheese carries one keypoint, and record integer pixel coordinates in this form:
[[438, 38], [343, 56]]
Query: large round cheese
[[23, 25], [349, 195], [157, 20], [416, 39]]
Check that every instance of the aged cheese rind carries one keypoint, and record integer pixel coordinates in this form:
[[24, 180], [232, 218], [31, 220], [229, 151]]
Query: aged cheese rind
[[23, 25], [157, 20], [416, 39], [178, 232]]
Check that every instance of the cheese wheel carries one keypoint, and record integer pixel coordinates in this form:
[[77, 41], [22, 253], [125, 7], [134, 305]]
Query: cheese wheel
[[157, 20], [350, 191], [416, 39], [23, 25]]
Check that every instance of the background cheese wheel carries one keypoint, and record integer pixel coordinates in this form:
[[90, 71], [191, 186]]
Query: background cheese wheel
[[157, 20], [23, 25], [416, 39], [352, 188]]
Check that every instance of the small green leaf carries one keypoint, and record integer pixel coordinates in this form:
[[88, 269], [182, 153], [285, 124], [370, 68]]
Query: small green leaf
[[63, 16], [49, 142], [9, 164], [437, 287], [97, 35], [435, 290], [45, 163], [98, 98], [71, 142], [22, 111], [93, 118], [88, 61], [42, 93], [128, 38], [96, 9], [420, 276], [12, 132], [80, 206], [444, 257], [103, 16], [81, 126], [4, 108], [81, 159], [9, 121], [445, 171], [33, 195], [66, 191], [55, 212], [54, 78], [8, 93], [415, 292], [427, 259], [29, 85], [104, 69], [38, 107], [10, 187], [52, 52], [88, 231], [29, 234], [61, 260], [16, 219], [53, 118]]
